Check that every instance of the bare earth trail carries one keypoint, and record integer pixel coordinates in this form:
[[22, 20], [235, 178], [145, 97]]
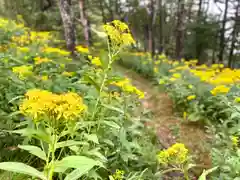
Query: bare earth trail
[[170, 128]]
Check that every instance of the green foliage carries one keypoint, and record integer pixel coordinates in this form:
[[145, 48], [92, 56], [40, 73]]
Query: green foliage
[[106, 137]]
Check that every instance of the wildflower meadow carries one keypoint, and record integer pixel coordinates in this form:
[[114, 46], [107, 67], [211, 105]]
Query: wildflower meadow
[[71, 115]]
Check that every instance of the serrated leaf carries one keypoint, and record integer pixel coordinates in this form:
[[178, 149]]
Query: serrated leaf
[[34, 150], [69, 143], [22, 169]]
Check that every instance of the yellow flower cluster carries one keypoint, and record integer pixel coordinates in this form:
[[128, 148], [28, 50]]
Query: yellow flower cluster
[[221, 89], [128, 87], [82, 49], [191, 97], [119, 34], [44, 78], [175, 155], [5, 24], [3, 48], [215, 75], [118, 175], [95, 60], [23, 71], [23, 49], [56, 50], [39, 104], [175, 76], [68, 74], [237, 99], [31, 36], [39, 60], [235, 141]]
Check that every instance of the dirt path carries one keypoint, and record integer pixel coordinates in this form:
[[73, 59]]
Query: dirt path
[[169, 127]]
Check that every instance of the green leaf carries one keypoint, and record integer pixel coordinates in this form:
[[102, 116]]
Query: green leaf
[[91, 81], [112, 124], [78, 162], [22, 169], [113, 108], [70, 143], [38, 134], [111, 178], [206, 172], [92, 137], [34, 150], [96, 153]]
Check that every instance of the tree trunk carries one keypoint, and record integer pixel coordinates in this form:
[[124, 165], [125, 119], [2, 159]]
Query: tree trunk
[[161, 23], [198, 34], [69, 29], [234, 35], [222, 34], [146, 38], [85, 22], [180, 29], [151, 42]]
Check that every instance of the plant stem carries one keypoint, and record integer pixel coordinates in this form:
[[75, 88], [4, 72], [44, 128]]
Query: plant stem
[[185, 172], [53, 158], [172, 169], [110, 60]]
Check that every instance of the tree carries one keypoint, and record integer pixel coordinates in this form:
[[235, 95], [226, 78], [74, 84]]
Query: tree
[[85, 22], [222, 33], [234, 34], [69, 29], [180, 29]]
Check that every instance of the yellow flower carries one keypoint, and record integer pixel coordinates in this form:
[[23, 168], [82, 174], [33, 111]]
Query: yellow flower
[[184, 115], [128, 87], [161, 81], [23, 71], [172, 79], [175, 63], [24, 49], [162, 56], [41, 103], [189, 98], [119, 34], [237, 99], [163, 157], [118, 175], [39, 60], [96, 61], [176, 75], [56, 50], [190, 86], [44, 78], [82, 49], [155, 69], [221, 89], [172, 70], [177, 154], [235, 141], [139, 93], [221, 65], [68, 74]]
